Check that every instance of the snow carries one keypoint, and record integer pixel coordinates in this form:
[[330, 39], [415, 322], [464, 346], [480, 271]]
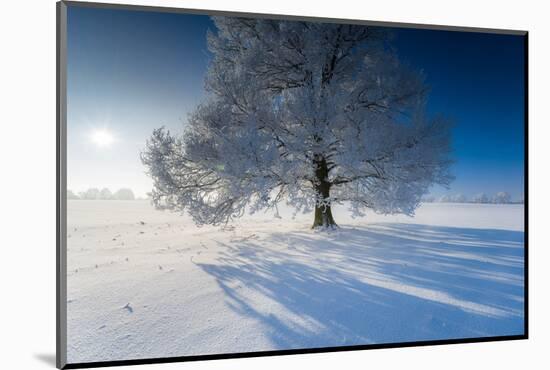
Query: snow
[[144, 283]]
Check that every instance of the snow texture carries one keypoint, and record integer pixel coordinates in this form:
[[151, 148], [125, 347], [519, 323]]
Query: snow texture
[[143, 283]]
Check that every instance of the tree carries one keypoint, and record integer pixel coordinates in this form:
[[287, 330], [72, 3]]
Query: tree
[[481, 198], [71, 195], [459, 198], [502, 198], [428, 199], [105, 194], [312, 113], [124, 194], [445, 199], [90, 194]]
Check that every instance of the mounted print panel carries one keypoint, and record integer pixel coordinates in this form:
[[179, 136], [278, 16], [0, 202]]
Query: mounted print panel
[[240, 185]]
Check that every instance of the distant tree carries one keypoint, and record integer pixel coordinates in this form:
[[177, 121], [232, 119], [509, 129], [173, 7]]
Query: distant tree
[[105, 194], [445, 199], [71, 195], [502, 198], [459, 198], [90, 194], [124, 194], [312, 113], [428, 199], [481, 198]]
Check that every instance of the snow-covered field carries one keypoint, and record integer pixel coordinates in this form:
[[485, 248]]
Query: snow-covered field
[[144, 283]]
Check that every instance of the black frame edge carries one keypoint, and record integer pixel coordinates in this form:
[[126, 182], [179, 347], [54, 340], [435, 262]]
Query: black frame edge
[[212, 12], [61, 193], [526, 187], [161, 360]]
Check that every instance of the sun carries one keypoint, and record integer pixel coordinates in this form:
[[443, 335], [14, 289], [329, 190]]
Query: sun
[[102, 138]]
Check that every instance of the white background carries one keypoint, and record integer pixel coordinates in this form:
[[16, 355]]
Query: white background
[[27, 183]]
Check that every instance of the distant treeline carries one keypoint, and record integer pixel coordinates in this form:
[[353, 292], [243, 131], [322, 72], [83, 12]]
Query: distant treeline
[[103, 194], [499, 198]]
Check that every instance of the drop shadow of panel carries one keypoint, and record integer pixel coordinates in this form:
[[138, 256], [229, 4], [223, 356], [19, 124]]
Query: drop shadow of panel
[[46, 358], [377, 284]]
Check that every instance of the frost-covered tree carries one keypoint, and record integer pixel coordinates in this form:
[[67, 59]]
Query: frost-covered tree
[[71, 195], [313, 114], [502, 198], [445, 199], [428, 199], [459, 198], [105, 194], [90, 194], [481, 198], [124, 194]]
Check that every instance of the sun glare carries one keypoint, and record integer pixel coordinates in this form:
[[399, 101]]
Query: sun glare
[[102, 138]]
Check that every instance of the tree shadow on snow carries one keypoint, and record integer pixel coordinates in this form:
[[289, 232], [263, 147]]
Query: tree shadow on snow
[[381, 283]]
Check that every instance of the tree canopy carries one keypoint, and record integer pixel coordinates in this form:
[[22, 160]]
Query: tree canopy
[[312, 114]]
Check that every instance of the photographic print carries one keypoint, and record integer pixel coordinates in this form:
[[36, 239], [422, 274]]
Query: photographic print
[[239, 184]]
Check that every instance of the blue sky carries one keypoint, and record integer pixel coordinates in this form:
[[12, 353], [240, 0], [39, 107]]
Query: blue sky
[[131, 71]]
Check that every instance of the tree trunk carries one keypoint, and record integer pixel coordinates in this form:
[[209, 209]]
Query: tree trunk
[[323, 213], [323, 218]]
